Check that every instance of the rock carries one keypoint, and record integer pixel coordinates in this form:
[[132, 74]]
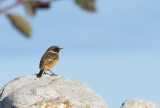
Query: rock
[[139, 103], [48, 92]]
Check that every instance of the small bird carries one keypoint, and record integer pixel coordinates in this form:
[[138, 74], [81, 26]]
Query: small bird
[[49, 59]]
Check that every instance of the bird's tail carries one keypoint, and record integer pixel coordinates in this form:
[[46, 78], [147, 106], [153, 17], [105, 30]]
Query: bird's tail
[[40, 73]]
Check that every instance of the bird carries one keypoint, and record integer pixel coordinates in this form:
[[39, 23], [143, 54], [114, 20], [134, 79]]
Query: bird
[[49, 59]]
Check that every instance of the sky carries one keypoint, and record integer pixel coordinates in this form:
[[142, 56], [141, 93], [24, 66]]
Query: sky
[[115, 51]]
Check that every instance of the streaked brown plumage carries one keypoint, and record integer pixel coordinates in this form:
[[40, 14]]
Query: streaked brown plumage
[[49, 59]]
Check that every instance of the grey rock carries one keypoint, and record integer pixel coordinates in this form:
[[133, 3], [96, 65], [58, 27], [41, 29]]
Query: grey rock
[[139, 103], [48, 92]]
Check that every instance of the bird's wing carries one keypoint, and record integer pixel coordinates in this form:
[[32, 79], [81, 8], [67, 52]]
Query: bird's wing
[[48, 58]]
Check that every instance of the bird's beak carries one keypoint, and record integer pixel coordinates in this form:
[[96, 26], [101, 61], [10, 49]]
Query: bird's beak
[[60, 48]]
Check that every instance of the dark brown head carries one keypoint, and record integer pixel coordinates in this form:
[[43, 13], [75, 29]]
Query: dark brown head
[[54, 49]]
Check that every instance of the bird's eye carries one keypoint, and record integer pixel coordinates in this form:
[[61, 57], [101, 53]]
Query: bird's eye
[[56, 50]]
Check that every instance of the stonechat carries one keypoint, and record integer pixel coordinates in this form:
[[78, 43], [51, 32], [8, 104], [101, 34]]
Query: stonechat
[[49, 59]]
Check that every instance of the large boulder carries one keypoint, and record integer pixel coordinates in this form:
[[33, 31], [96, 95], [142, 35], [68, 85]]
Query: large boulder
[[48, 92]]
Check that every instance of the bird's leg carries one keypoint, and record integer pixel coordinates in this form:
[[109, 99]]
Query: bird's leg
[[53, 73]]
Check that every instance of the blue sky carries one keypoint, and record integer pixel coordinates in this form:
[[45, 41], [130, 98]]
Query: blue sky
[[115, 51]]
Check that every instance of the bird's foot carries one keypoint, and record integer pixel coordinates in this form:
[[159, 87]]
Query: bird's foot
[[44, 72], [53, 73]]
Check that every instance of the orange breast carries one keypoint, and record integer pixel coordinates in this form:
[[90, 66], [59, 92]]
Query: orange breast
[[50, 66]]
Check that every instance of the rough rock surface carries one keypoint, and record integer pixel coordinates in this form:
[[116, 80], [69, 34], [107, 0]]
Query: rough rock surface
[[139, 103], [48, 92]]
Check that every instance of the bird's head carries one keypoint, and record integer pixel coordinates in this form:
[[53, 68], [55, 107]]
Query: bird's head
[[54, 49]]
